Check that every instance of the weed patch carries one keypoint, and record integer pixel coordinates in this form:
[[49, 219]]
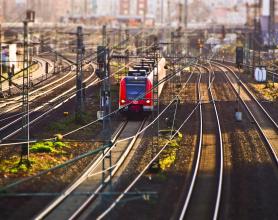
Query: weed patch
[[48, 147]]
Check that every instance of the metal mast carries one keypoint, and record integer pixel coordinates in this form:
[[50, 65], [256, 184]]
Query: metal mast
[[1, 91], [30, 17], [155, 139], [79, 76], [185, 16], [25, 86]]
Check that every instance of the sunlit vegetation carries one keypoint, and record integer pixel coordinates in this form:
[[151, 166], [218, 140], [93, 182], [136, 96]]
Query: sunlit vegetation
[[48, 147], [43, 155], [268, 90], [168, 156]]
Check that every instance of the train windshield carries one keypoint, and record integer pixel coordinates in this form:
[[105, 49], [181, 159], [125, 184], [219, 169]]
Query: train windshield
[[135, 89]]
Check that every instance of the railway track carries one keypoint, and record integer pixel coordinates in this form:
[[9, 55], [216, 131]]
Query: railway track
[[37, 93], [108, 212], [68, 205], [10, 128], [250, 169], [41, 66], [203, 197], [53, 104], [233, 63], [265, 123], [11, 104], [269, 105]]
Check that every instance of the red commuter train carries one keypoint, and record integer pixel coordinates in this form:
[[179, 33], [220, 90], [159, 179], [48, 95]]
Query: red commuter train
[[136, 93]]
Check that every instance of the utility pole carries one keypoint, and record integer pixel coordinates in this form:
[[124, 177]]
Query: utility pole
[[162, 12], [169, 13], [4, 4], [105, 102], [30, 17], [86, 8], [1, 67], [119, 60], [104, 35], [155, 113], [72, 7], [271, 29], [185, 15], [79, 106], [254, 36], [126, 48]]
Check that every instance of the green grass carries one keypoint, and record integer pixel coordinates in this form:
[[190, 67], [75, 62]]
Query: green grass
[[44, 155], [168, 156], [48, 147], [14, 165]]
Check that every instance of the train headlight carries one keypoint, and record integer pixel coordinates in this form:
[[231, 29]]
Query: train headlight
[[123, 101], [148, 101]]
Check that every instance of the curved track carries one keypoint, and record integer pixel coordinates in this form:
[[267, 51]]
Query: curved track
[[266, 125], [68, 206], [203, 198], [37, 93], [56, 102]]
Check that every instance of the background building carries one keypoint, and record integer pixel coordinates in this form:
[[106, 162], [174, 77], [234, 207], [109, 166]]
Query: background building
[[167, 12], [124, 7]]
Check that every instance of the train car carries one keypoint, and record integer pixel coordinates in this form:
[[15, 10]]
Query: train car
[[136, 94]]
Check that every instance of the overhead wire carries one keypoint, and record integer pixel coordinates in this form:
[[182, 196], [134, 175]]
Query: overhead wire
[[92, 152], [95, 121], [111, 207]]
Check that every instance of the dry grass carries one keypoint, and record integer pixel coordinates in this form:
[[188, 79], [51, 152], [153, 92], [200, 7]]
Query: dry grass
[[268, 91]]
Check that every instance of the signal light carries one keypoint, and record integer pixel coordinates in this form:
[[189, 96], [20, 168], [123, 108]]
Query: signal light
[[148, 101], [122, 101]]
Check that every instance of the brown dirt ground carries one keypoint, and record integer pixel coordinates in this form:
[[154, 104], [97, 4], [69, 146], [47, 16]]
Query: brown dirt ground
[[250, 177], [171, 183], [59, 179], [266, 96]]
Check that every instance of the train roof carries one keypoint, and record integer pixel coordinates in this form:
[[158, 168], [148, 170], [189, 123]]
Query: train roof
[[142, 67], [135, 79], [140, 72], [150, 62]]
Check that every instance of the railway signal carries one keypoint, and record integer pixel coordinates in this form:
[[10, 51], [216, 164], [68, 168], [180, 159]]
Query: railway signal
[[239, 56]]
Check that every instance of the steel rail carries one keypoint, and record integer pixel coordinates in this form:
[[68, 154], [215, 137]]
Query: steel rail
[[165, 79], [118, 199], [53, 108], [88, 201], [39, 107], [84, 176], [251, 95], [45, 113], [197, 164], [220, 181], [108, 178], [134, 138], [198, 159], [274, 155], [152, 160], [128, 138], [39, 95], [38, 89], [231, 62]]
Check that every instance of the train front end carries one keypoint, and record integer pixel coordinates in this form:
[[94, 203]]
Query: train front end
[[136, 94]]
